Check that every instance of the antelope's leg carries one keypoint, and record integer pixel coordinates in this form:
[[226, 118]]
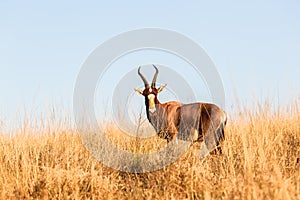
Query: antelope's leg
[[212, 140], [168, 133], [172, 133]]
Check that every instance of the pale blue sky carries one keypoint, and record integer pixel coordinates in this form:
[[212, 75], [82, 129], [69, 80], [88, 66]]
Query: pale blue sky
[[255, 45]]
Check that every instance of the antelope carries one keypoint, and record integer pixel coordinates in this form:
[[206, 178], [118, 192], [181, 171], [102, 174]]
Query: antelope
[[194, 122]]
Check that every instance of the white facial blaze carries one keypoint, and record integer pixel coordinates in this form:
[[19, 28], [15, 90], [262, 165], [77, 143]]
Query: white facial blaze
[[151, 98]]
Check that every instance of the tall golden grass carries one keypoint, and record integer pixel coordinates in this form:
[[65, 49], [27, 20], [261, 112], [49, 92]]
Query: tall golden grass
[[260, 160]]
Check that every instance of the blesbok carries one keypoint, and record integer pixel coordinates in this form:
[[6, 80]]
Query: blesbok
[[195, 122]]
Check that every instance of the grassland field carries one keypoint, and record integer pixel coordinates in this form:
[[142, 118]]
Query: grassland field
[[260, 160]]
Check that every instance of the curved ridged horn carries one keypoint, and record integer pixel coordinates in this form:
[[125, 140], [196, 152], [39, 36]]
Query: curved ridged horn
[[143, 78], [154, 77]]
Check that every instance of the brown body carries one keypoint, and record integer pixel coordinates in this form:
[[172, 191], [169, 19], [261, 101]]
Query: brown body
[[191, 122]]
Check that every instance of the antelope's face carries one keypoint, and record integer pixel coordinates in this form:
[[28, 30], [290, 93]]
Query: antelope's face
[[150, 92], [150, 95]]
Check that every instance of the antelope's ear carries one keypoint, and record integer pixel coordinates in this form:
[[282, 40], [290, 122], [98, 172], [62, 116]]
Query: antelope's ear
[[161, 88], [138, 91]]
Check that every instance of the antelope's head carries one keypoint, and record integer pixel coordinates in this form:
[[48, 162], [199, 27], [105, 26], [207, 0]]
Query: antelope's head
[[150, 92]]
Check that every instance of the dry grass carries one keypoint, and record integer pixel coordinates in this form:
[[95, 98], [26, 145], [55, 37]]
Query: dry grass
[[261, 160]]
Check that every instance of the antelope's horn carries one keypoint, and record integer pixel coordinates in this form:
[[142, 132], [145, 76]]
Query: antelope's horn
[[154, 77], [143, 78]]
